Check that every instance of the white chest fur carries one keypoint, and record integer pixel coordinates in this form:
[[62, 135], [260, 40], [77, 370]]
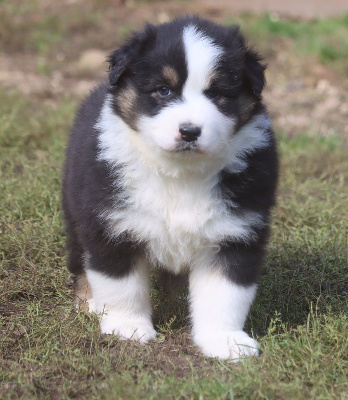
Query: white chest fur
[[176, 218], [178, 214]]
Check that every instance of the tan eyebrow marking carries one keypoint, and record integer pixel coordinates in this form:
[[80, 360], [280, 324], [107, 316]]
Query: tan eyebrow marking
[[171, 75], [211, 77]]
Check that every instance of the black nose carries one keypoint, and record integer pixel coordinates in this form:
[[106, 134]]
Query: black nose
[[189, 132]]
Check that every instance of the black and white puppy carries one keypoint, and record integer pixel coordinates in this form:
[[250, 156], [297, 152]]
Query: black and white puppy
[[173, 165]]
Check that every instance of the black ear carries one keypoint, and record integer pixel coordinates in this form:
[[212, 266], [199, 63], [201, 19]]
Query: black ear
[[255, 71], [121, 58]]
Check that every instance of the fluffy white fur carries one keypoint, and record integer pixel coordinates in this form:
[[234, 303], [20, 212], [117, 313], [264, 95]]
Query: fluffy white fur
[[177, 215], [202, 54], [218, 311], [124, 304]]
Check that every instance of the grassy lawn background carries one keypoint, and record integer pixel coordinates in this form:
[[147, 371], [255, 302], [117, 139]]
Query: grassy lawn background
[[48, 350]]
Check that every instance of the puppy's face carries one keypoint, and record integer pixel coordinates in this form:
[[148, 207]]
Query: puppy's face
[[186, 86]]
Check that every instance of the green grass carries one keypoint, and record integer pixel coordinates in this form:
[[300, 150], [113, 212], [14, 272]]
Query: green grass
[[327, 39], [48, 350]]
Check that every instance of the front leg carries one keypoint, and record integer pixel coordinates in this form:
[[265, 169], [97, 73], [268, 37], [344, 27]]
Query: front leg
[[220, 300], [123, 302]]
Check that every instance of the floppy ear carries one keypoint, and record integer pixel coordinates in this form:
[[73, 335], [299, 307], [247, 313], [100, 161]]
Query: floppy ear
[[120, 59], [255, 72]]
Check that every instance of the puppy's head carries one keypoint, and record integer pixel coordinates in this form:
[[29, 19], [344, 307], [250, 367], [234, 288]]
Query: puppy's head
[[186, 86]]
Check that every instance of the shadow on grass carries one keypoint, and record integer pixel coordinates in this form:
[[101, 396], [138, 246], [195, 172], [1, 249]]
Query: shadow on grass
[[295, 281]]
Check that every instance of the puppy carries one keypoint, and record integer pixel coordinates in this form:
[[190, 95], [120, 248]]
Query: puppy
[[172, 165]]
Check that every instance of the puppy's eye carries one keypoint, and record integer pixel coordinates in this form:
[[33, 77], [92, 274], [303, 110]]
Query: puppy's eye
[[164, 91], [213, 94]]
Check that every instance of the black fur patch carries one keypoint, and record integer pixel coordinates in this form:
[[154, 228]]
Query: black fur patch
[[88, 187], [252, 190]]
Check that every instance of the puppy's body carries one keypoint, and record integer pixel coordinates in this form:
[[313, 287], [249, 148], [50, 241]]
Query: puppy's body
[[173, 165]]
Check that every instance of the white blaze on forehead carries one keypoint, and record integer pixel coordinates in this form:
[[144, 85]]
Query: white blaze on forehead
[[202, 54]]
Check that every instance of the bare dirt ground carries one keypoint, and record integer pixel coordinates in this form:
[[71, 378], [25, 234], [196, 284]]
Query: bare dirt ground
[[294, 8]]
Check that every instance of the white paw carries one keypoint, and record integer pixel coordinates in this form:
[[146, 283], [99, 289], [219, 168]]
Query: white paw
[[137, 329], [232, 345]]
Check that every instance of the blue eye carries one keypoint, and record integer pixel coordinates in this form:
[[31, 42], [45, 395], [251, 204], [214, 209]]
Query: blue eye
[[164, 91]]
